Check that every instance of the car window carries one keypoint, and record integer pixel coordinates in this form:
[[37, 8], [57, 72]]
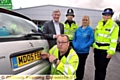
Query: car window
[[14, 26]]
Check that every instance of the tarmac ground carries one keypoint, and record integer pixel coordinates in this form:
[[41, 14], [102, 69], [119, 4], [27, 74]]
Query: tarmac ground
[[113, 69]]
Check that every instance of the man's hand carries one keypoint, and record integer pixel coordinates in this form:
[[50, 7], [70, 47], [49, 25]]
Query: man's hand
[[52, 58], [56, 36], [44, 55], [108, 56]]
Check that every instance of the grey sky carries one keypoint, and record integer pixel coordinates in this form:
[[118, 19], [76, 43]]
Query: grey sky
[[91, 4]]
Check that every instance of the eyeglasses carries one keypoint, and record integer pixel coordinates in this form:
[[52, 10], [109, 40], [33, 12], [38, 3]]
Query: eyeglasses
[[58, 42], [85, 19]]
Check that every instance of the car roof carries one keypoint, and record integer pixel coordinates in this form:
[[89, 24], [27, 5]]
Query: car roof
[[13, 13]]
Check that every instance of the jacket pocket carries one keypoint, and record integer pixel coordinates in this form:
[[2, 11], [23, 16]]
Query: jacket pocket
[[75, 45]]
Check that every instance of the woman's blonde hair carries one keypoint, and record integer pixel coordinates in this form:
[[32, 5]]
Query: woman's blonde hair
[[87, 18]]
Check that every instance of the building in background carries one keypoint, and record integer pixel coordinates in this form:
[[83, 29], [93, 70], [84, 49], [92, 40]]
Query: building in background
[[40, 14]]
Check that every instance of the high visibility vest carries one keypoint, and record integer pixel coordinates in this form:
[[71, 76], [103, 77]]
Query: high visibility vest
[[67, 66], [70, 30], [107, 34]]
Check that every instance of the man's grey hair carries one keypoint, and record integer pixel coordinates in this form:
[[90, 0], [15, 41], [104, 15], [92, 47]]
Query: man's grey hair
[[55, 11]]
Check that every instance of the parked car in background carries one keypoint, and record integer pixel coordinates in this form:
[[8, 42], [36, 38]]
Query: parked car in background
[[21, 44], [118, 42]]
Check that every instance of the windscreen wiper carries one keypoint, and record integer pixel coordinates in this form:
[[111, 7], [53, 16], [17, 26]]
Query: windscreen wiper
[[35, 33], [32, 34]]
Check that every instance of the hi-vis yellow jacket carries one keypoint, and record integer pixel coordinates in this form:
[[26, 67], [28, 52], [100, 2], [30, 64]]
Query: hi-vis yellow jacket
[[67, 66], [70, 30], [107, 34]]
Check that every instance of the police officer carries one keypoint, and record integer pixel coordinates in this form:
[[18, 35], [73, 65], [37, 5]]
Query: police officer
[[70, 25], [106, 35]]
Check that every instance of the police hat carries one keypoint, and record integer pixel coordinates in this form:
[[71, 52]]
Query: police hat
[[108, 11], [70, 12]]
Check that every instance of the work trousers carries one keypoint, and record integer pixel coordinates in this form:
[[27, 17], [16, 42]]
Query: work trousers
[[101, 63], [81, 66]]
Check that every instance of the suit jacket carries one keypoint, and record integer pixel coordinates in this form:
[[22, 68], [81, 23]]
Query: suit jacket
[[49, 31]]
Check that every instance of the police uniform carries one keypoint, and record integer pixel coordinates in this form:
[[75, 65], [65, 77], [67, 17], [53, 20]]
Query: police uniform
[[70, 26], [106, 35]]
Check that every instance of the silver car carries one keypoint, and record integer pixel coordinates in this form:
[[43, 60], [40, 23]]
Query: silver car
[[21, 44]]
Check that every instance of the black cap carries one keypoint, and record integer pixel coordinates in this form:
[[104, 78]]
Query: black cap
[[108, 11], [70, 12]]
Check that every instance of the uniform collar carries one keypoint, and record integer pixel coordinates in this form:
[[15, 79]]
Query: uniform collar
[[109, 22], [66, 54], [70, 22]]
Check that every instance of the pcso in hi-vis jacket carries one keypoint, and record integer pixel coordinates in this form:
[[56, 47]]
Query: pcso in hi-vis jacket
[[106, 35], [63, 57]]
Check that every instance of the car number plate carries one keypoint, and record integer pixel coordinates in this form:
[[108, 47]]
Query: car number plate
[[22, 60]]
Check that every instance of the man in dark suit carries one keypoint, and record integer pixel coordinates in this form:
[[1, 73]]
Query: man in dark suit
[[53, 28]]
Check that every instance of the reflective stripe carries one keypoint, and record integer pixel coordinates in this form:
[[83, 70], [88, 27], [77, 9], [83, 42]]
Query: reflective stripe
[[103, 35], [70, 35], [112, 28], [54, 49], [102, 42], [113, 40], [66, 31], [68, 58], [66, 68], [108, 36], [72, 69], [68, 65], [113, 49], [53, 65], [64, 73]]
